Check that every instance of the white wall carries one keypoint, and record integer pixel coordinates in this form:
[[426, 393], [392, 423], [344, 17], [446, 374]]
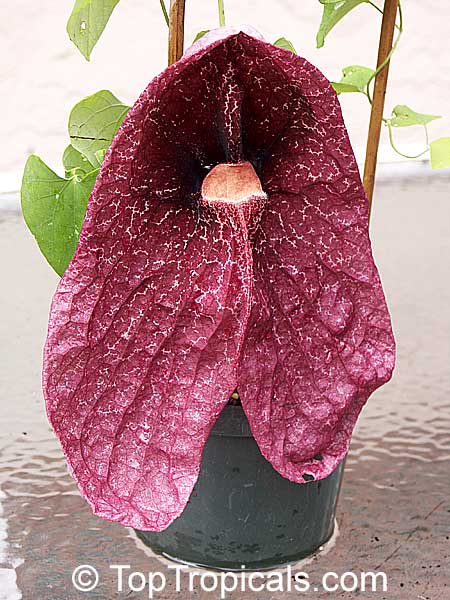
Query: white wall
[[42, 74]]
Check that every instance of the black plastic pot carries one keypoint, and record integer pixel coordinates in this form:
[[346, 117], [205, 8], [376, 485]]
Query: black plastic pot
[[242, 515]]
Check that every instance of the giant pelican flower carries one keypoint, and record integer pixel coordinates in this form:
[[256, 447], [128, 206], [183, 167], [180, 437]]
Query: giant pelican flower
[[225, 246]]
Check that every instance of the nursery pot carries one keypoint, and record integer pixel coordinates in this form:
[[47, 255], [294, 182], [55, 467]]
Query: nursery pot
[[242, 514]]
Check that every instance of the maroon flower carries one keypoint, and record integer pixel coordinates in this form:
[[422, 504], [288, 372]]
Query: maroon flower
[[225, 245]]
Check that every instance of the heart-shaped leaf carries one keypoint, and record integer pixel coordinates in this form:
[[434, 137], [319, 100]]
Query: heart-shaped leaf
[[53, 208], [355, 78], [333, 12], [341, 88], [87, 22], [405, 117], [440, 153], [93, 123], [282, 42], [75, 161]]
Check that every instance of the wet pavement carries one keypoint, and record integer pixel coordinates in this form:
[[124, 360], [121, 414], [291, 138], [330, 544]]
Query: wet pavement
[[394, 510]]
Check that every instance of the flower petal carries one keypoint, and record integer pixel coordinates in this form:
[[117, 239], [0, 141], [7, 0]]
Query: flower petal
[[147, 323], [319, 340]]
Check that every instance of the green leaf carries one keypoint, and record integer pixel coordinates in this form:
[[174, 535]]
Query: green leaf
[[355, 78], [333, 12], [53, 209], [200, 34], [282, 42], [405, 117], [341, 88], [53, 206], [74, 161], [440, 153], [87, 22], [93, 123]]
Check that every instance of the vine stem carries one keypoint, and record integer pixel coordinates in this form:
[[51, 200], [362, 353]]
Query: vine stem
[[221, 13], [391, 51], [164, 10], [379, 93], [176, 30], [375, 6], [380, 10], [391, 139]]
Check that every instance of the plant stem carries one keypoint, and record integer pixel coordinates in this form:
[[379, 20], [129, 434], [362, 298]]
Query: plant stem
[[166, 16], [374, 5], [379, 92], [379, 10], [391, 140], [221, 13]]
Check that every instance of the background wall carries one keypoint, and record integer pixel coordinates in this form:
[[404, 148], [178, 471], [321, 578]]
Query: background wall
[[42, 74]]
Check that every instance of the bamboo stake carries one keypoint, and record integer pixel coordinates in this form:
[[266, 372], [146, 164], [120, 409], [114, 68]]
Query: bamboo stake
[[176, 30], [379, 93]]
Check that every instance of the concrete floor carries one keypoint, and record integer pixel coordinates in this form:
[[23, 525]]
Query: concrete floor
[[394, 511]]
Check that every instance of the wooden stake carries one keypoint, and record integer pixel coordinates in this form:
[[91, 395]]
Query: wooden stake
[[379, 93], [176, 30]]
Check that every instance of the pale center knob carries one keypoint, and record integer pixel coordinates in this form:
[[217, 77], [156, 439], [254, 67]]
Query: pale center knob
[[231, 183]]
